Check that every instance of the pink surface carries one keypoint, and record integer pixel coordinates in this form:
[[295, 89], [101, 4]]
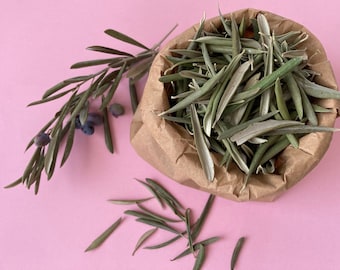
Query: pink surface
[[39, 42]]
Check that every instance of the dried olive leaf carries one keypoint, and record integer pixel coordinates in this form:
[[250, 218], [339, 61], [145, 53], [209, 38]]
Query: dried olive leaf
[[163, 192], [201, 146], [128, 202], [107, 130], [200, 257], [44, 100], [96, 62], [143, 215], [157, 216], [124, 38], [143, 238], [204, 243], [101, 238], [69, 142], [197, 226], [34, 159], [108, 98], [259, 128], [236, 252], [15, 183], [153, 192], [206, 88], [133, 95], [231, 89], [51, 154], [188, 227], [164, 244], [108, 50], [157, 224]]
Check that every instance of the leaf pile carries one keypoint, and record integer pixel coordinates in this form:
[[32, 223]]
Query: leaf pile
[[244, 92]]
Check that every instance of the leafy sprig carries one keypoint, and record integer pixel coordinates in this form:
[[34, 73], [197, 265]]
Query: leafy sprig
[[81, 91]]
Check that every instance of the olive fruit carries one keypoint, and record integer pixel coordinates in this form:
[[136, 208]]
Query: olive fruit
[[42, 139], [116, 109]]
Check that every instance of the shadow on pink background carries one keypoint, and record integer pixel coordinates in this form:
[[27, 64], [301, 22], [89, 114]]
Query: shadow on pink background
[[39, 42]]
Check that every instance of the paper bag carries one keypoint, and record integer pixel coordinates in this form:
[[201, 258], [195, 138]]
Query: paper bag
[[169, 148]]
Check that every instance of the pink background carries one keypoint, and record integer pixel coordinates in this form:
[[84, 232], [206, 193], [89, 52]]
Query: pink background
[[39, 41]]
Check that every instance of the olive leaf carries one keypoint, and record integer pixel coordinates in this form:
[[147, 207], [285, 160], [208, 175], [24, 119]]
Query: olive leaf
[[120, 36], [201, 146], [143, 238], [102, 238], [236, 252]]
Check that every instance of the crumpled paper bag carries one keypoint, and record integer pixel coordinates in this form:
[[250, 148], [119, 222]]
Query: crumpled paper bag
[[170, 149]]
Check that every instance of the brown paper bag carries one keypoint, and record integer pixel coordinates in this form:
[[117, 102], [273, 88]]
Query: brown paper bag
[[170, 149]]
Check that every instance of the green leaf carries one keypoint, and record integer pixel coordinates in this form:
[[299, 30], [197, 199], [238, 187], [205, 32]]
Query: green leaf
[[30, 166], [51, 154], [128, 202], [143, 238], [107, 131], [96, 62], [164, 244], [133, 95], [257, 129], [201, 146], [101, 238], [69, 142], [200, 221], [158, 224], [196, 246], [108, 50], [157, 216], [236, 252], [163, 193], [108, 98], [15, 183], [54, 97], [153, 192], [200, 257], [188, 227], [120, 36]]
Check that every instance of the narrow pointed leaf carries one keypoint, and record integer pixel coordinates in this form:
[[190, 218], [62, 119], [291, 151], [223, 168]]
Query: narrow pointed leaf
[[120, 36], [108, 50], [201, 146], [200, 257], [69, 142], [164, 244], [188, 250], [108, 98], [96, 62], [143, 238], [236, 252], [129, 202], [107, 131], [198, 225], [257, 129], [197, 94], [101, 238], [157, 224], [15, 183], [50, 98]]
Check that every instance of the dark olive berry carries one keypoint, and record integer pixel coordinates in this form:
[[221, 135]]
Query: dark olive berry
[[42, 139], [116, 109], [87, 129], [94, 119]]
